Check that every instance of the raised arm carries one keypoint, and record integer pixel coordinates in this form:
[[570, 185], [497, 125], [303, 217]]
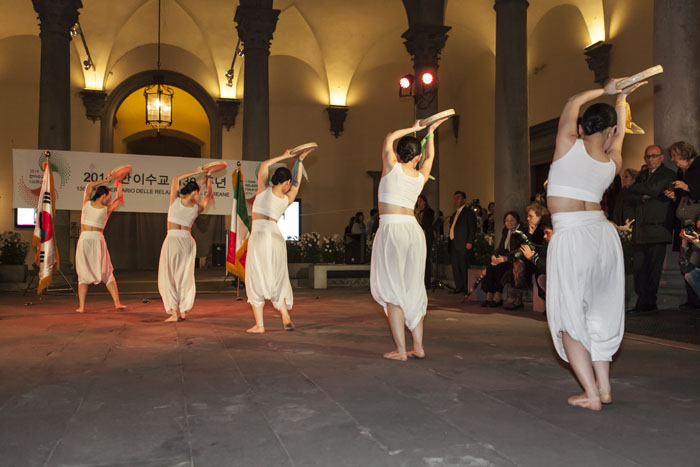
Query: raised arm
[[292, 193], [567, 132], [388, 153], [614, 150], [429, 150], [202, 205], [90, 188], [264, 171], [117, 200], [175, 186]]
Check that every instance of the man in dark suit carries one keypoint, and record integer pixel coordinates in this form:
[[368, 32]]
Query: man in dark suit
[[652, 228], [461, 233]]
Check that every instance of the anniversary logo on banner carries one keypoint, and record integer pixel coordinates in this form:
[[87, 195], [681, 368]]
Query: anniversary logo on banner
[[146, 189]]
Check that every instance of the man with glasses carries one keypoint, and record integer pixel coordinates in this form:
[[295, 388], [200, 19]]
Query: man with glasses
[[652, 229]]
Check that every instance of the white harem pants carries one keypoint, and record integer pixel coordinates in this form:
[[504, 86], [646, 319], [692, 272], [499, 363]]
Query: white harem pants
[[266, 272], [176, 271], [398, 267], [92, 261], [586, 283]]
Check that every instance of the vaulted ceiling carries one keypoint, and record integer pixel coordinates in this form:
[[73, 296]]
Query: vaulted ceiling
[[332, 37]]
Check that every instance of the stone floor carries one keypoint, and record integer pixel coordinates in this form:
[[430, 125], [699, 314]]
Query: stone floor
[[107, 388]]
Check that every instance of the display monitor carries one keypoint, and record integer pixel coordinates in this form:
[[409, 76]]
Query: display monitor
[[290, 222], [25, 217]]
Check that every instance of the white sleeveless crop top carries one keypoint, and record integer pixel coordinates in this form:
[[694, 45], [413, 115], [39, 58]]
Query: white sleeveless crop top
[[93, 216], [400, 189], [267, 204], [180, 214], [578, 176]]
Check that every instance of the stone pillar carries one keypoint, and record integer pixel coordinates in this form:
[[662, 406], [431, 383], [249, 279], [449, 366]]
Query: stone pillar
[[425, 42], [512, 143], [256, 22], [676, 104], [56, 18], [676, 91]]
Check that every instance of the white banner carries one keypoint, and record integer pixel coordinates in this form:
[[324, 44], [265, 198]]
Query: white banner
[[146, 189]]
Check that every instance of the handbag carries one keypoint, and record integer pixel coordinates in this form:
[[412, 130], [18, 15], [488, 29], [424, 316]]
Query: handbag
[[687, 209]]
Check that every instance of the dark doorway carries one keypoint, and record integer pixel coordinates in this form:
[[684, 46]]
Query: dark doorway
[[164, 145], [543, 137], [135, 238]]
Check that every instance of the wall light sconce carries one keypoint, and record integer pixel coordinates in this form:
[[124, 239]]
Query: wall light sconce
[[76, 30], [598, 59], [337, 114], [228, 110], [94, 102]]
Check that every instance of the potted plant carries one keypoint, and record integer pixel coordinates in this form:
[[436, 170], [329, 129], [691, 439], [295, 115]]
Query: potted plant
[[13, 251]]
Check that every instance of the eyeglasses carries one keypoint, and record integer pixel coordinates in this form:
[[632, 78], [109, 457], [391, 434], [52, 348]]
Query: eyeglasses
[[652, 155]]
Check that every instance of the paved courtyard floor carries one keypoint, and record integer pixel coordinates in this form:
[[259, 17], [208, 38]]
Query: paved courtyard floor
[[124, 388]]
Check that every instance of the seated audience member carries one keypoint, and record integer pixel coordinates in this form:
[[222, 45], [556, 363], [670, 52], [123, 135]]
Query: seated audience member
[[521, 274], [538, 256], [501, 261], [689, 258]]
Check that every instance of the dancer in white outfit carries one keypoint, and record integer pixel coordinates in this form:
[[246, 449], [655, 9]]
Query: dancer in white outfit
[[398, 253], [176, 266], [92, 261], [266, 272], [585, 267]]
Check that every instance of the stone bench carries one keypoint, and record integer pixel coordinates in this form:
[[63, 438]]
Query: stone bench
[[319, 272]]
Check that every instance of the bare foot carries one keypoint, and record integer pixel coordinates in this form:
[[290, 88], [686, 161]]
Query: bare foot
[[172, 319], [79, 310], [183, 316], [256, 329], [586, 402], [119, 306], [395, 356], [605, 395], [419, 354]]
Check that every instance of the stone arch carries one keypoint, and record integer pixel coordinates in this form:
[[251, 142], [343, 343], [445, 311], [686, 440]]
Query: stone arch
[[172, 78]]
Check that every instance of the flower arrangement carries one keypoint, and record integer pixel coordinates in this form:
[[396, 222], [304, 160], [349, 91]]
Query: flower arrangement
[[314, 248], [332, 249], [13, 250]]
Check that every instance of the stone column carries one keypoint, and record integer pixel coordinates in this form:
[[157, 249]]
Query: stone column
[[256, 22], [676, 104], [676, 91], [512, 144], [56, 18], [425, 42]]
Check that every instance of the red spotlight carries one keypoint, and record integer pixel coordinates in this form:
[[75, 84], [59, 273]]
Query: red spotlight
[[427, 78], [406, 86]]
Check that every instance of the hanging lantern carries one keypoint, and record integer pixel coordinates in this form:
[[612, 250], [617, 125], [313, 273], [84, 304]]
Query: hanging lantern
[[159, 97], [159, 106]]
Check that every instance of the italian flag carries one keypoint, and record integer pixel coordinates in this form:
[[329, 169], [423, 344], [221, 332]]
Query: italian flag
[[44, 234], [240, 229]]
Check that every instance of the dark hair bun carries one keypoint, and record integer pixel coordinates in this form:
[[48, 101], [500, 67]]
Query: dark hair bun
[[281, 175], [407, 148], [189, 188], [598, 117], [99, 191]]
